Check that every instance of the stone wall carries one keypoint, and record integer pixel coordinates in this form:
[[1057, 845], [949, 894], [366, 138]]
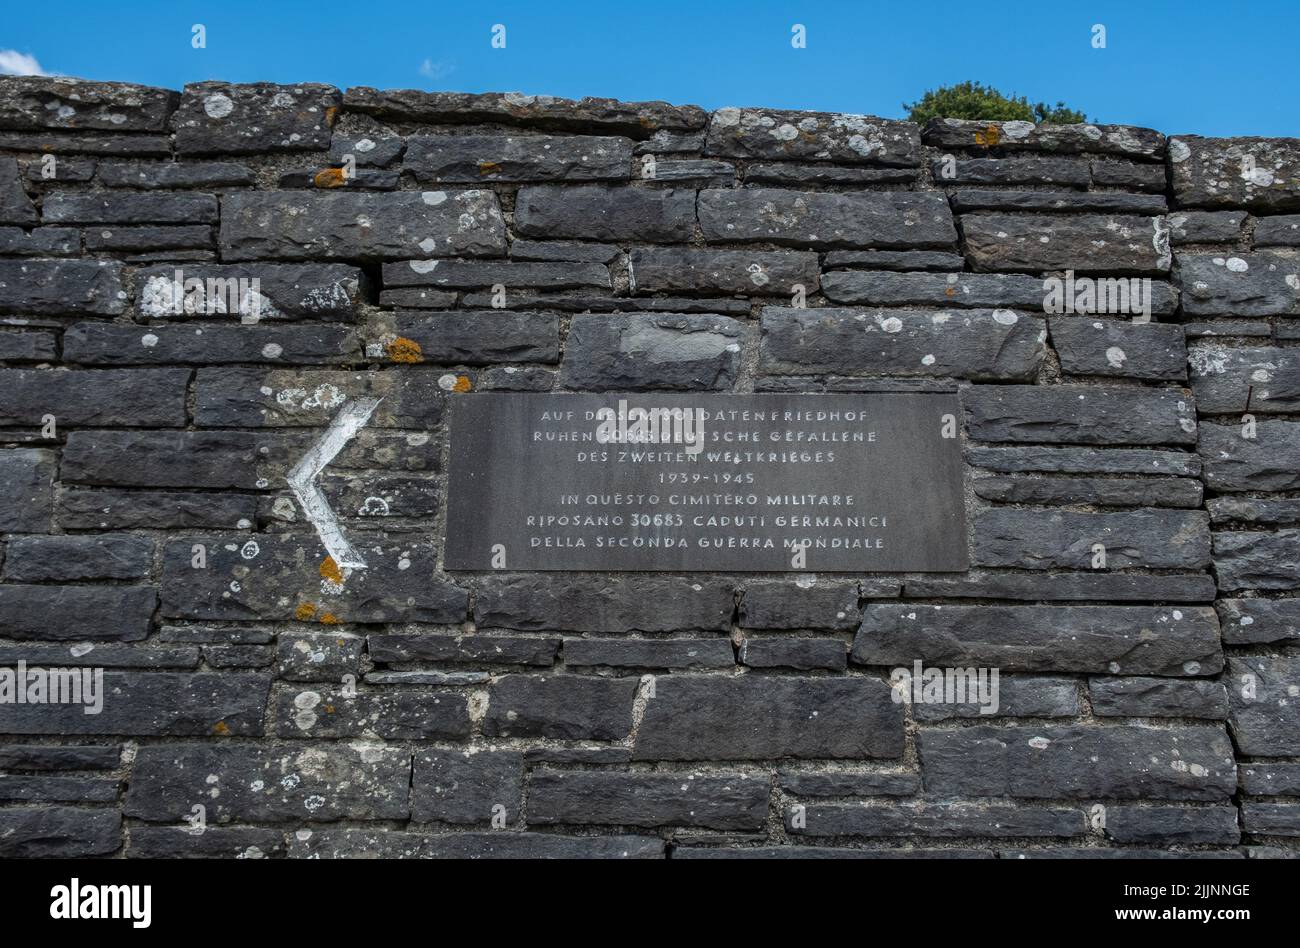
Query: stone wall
[[1148, 700]]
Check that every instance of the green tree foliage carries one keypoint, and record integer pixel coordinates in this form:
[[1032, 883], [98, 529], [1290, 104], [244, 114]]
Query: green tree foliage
[[973, 100]]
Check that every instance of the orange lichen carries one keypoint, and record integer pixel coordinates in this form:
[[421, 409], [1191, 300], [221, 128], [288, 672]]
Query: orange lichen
[[329, 618], [331, 178], [330, 112], [462, 384], [488, 167], [988, 136], [330, 570], [304, 612], [402, 349], [221, 728]]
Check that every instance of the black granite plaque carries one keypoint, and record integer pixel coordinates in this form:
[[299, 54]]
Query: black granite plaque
[[815, 483]]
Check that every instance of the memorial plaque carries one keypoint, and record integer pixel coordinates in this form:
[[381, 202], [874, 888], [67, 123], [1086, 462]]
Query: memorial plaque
[[648, 481]]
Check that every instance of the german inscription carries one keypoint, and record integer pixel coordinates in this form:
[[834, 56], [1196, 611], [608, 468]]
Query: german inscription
[[649, 481]]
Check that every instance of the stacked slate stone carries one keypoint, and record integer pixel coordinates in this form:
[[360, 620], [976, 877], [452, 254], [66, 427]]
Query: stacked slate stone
[[421, 247]]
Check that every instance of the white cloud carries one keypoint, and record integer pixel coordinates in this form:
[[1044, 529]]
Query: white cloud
[[14, 63], [431, 70]]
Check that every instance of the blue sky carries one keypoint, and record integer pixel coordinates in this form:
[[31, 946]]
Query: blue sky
[[1220, 68]]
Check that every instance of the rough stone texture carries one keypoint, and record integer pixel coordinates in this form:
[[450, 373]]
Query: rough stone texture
[[512, 242]]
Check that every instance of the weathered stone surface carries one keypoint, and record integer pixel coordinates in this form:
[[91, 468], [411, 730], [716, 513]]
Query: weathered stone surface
[[1224, 377], [977, 344], [944, 820], [1225, 510], [436, 159], [1081, 761], [1083, 460], [135, 240], [1127, 640], [27, 482], [467, 787], [57, 287], [317, 782], [702, 172], [649, 653], [1029, 169], [154, 704], [474, 337], [1128, 174], [671, 269], [1078, 414], [802, 654], [1124, 140], [139, 397], [566, 707], [99, 207], [215, 842], [1268, 461], [1102, 491], [60, 757], [1114, 347], [39, 242], [253, 292], [476, 649], [1271, 819], [31, 103], [669, 351], [478, 274], [254, 118], [1017, 696], [243, 397], [318, 656], [825, 604], [1263, 713], [1250, 559], [417, 298], [1281, 231], [817, 220], [895, 260], [15, 206], [1206, 227], [1270, 779], [838, 783], [167, 174], [1157, 698], [970, 199], [76, 613], [153, 510], [1257, 621], [114, 344], [825, 852], [59, 832], [638, 119], [1031, 539], [734, 802], [393, 844], [1114, 243], [598, 212], [1262, 283], [819, 136], [934, 289], [360, 226], [694, 717], [76, 558], [291, 577], [1165, 825], [577, 250], [100, 655], [622, 603], [391, 714], [58, 789], [93, 143], [1257, 173], [1068, 587]]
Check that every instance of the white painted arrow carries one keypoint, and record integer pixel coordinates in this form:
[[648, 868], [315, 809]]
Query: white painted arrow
[[302, 480]]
